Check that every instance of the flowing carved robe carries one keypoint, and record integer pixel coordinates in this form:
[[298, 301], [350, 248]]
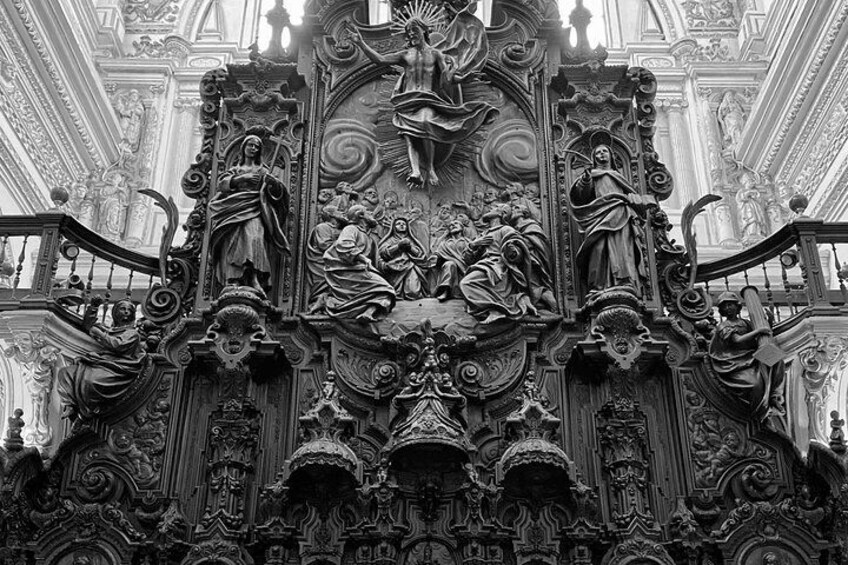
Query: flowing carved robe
[[97, 380], [610, 254], [540, 252], [247, 224], [754, 382], [436, 114], [322, 237], [403, 268], [354, 286], [497, 284], [450, 253]]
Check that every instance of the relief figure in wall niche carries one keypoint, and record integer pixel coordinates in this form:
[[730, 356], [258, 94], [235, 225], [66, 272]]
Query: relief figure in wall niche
[[752, 214], [732, 356], [731, 117], [356, 289], [130, 109], [97, 380], [497, 283], [246, 219], [401, 259], [605, 207], [429, 111]]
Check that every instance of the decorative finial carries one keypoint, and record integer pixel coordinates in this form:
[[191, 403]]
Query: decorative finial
[[14, 441], [798, 204], [580, 18], [837, 435], [279, 19]]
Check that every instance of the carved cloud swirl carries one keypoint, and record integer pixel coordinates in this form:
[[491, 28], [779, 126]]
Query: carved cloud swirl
[[349, 153], [509, 154]]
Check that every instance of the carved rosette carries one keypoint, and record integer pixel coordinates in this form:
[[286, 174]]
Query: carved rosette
[[533, 461], [326, 424]]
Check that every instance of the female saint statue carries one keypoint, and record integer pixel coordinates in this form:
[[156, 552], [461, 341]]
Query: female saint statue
[[247, 217], [604, 205]]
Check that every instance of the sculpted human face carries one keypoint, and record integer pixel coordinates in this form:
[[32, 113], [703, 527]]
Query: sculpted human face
[[24, 342], [455, 227], [390, 201], [602, 156], [401, 227], [252, 148], [490, 195], [325, 195], [415, 35], [371, 195], [444, 212], [124, 312]]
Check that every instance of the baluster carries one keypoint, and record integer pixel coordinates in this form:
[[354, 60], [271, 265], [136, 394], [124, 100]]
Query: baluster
[[150, 283], [745, 274], [726, 283], [769, 293], [787, 288], [20, 266], [840, 274], [108, 290], [4, 259], [129, 284], [89, 285]]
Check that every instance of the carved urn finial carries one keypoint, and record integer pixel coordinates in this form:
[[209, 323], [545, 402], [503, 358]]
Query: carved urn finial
[[533, 466], [324, 457]]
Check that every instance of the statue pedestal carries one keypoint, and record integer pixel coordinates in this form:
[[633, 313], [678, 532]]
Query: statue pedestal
[[617, 332]]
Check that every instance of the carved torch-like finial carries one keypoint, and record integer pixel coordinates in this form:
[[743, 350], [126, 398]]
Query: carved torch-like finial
[[279, 19]]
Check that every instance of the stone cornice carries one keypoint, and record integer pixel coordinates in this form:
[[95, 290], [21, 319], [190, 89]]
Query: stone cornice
[[63, 84], [807, 51]]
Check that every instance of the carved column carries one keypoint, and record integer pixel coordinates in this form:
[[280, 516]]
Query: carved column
[[681, 149], [623, 438]]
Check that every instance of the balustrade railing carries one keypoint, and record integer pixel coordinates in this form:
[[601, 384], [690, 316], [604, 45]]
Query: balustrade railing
[[797, 270], [51, 258]]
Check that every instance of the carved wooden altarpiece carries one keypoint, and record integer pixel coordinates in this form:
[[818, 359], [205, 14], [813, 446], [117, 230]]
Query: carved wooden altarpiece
[[588, 431]]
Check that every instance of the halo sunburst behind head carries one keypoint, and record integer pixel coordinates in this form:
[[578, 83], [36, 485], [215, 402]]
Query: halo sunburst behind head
[[423, 11]]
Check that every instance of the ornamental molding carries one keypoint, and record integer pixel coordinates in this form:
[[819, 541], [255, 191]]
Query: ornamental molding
[[28, 198], [819, 158], [25, 16], [769, 111]]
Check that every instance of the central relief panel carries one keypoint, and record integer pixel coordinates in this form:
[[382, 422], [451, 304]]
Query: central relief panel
[[429, 200]]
